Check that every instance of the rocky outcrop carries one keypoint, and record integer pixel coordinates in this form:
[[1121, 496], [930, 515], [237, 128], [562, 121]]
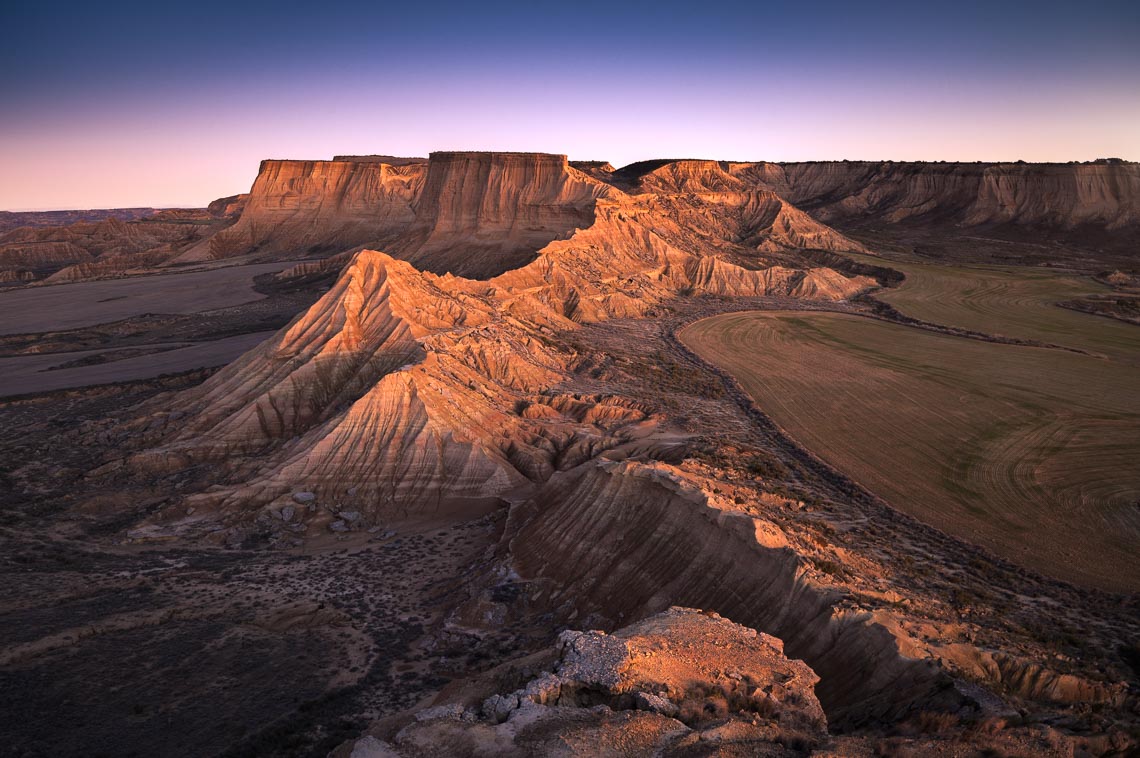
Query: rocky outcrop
[[497, 206], [632, 538], [680, 681], [474, 214], [228, 207], [970, 194]]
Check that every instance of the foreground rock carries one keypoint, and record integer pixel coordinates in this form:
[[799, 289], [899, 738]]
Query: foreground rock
[[680, 682]]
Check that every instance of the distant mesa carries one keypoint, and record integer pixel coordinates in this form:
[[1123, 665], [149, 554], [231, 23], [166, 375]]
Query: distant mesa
[[479, 214]]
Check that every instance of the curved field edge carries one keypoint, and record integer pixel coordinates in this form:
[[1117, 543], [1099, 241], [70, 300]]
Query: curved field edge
[[1018, 452], [1014, 303]]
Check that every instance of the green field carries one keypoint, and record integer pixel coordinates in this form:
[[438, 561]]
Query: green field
[[1031, 452], [1011, 302]]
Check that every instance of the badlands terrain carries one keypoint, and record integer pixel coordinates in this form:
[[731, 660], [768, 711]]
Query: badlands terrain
[[504, 454]]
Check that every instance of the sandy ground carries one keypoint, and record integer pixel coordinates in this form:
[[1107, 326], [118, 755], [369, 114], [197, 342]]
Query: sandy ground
[[32, 373], [69, 306]]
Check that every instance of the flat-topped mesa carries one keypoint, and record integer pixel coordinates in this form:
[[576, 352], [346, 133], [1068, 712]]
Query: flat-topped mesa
[[499, 207], [1048, 195], [298, 208], [1055, 195], [471, 214]]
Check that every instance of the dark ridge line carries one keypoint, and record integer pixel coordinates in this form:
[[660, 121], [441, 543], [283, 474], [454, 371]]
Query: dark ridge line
[[1076, 305], [890, 278], [881, 311]]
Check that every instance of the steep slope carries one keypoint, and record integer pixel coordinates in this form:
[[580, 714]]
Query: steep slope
[[631, 538], [1051, 195], [401, 391], [1105, 195], [473, 214], [498, 206], [297, 208]]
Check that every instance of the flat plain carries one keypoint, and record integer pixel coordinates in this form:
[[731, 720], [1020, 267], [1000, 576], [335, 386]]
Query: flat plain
[[1016, 302], [78, 304], [1031, 452]]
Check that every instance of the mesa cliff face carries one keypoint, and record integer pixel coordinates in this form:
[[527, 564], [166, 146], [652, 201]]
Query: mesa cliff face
[[297, 208], [473, 214], [501, 206], [1065, 195], [968, 194]]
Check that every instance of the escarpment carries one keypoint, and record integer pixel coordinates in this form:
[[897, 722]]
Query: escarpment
[[471, 214], [632, 538], [498, 206], [299, 208], [1103, 195], [401, 391], [481, 214], [1050, 195]]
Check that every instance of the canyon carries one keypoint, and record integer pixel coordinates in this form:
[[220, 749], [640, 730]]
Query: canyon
[[498, 475]]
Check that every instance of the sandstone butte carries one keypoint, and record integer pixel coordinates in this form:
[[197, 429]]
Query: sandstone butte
[[435, 381]]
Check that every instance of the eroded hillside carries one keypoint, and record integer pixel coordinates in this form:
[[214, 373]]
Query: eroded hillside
[[539, 419]]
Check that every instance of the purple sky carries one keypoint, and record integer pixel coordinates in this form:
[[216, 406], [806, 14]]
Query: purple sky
[[129, 104]]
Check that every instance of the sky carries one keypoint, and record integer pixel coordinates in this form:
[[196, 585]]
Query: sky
[[119, 104]]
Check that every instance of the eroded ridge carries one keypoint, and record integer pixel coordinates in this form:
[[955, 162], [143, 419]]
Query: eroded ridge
[[410, 398]]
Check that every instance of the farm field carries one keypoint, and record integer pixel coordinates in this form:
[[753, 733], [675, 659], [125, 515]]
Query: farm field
[[1010, 302], [1033, 453]]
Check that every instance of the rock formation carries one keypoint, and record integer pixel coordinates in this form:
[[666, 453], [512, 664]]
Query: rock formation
[[403, 393], [674, 535], [668, 685], [968, 194], [410, 395], [109, 246], [481, 214], [474, 214]]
